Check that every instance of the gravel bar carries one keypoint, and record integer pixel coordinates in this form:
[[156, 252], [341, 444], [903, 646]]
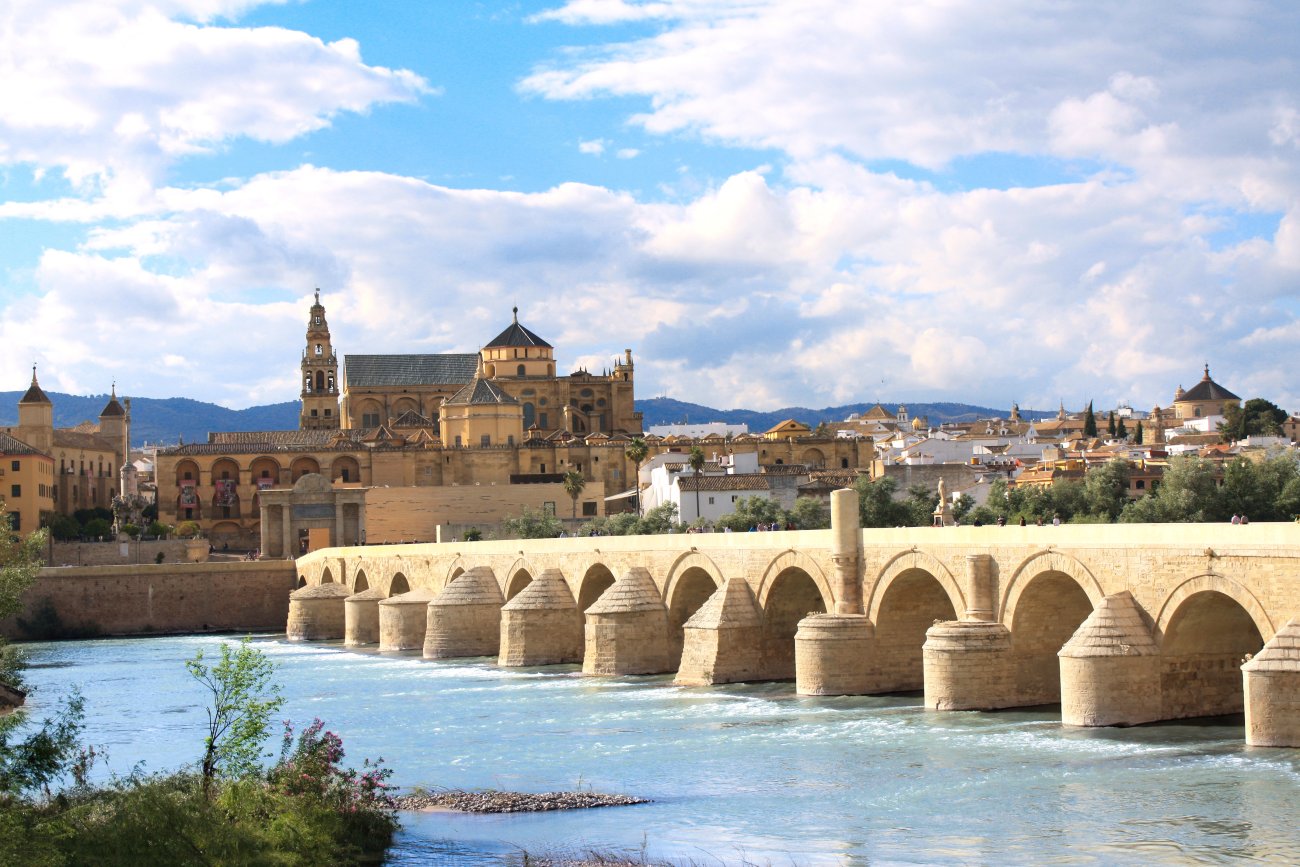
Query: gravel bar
[[513, 802]]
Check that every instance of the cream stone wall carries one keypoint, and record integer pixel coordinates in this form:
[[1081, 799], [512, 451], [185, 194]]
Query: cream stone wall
[[1201, 599], [404, 514]]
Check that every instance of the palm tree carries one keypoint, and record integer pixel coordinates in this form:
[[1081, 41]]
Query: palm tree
[[573, 485], [636, 452], [696, 460]]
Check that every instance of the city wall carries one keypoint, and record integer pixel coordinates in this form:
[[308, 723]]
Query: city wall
[[155, 599]]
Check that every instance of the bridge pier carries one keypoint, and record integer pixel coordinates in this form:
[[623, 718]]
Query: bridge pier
[[968, 666], [402, 620], [627, 629], [1272, 691], [1110, 668], [723, 639], [361, 617], [465, 618], [541, 625], [316, 613], [832, 655]]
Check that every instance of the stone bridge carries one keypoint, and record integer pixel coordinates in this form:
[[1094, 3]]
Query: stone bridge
[[1119, 624]]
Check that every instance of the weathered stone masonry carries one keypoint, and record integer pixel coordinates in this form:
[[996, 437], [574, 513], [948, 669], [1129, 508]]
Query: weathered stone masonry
[[1119, 624]]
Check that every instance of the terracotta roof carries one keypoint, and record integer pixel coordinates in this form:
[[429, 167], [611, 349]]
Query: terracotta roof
[[480, 391], [362, 371], [733, 482], [785, 469], [682, 467], [296, 438], [74, 439], [11, 446], [518, 335]]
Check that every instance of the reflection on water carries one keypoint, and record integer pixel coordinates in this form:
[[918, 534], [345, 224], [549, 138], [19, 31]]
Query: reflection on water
[[750, 771]]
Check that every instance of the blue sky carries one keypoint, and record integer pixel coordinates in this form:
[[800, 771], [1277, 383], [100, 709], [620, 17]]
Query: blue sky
[[770, 203]]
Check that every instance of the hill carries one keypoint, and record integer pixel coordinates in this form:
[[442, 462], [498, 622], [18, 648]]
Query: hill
[[164, 420]]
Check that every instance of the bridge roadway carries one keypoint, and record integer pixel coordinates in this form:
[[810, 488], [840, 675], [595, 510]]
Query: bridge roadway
[[1120, 624]]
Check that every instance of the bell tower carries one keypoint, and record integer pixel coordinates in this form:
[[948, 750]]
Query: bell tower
[[320, 375]]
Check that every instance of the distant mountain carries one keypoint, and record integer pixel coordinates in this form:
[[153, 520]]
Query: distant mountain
[[664, 410], [158, 420], [162, 420]]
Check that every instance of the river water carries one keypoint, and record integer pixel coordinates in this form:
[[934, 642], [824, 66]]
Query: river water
[[743, 773]]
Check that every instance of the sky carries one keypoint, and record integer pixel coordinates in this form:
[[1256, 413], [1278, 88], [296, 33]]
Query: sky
[[770, 203]]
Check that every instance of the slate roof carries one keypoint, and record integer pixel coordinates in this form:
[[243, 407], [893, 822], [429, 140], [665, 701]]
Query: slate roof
[[112, 408], [518, 335], [480, 391], [1208, 389], [411, 418], [379, 371], [305, 438], [11, 446]]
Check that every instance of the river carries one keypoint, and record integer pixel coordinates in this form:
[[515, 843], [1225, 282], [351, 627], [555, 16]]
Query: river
[[742, 773]]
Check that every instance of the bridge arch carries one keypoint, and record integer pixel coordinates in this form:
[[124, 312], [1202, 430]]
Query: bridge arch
[[912, 561], [692, 579], [912, 591], [1206, 629], [793, 559], [397, 585], [520, 575], [595, 580], [1212, 581], [359, 581], [792, 587], [1048, 597], [326, 576], [1038, 564]]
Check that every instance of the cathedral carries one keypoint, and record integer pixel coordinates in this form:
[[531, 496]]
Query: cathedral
[[500, 421]]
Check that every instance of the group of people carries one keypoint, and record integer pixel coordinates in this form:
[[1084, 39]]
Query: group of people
[[1239, 519], [1038, 522]]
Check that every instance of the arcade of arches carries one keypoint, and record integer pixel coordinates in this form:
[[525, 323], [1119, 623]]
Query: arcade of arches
[[1118, 625]]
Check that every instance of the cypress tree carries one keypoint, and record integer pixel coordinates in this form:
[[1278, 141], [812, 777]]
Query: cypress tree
[[1137, 437], [1121, 429], [1089, 422], [1110, 424]]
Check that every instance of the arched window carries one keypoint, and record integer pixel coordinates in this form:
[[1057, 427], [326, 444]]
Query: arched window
[[320, 350], [519, 371], [320, 380], [306, 382], [530, 415]]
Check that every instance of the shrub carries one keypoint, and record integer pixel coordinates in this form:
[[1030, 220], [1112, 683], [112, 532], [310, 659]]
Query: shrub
[[159, 530], [132, 530], [187, 529], [98, 528]]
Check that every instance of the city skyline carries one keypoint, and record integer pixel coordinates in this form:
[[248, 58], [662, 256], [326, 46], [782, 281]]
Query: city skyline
[[770, 205]]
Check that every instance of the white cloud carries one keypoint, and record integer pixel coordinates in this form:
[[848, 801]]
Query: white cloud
[[595, 147], [107, 88], [628, 153]]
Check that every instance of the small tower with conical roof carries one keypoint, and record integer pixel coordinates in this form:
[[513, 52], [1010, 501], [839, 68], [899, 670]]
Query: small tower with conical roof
[[517, 353], [320, 375], [36, 418], [115, 426]]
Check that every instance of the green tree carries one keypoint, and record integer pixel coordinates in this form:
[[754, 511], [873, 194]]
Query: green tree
[[1121, 429], [532, 524], [876, 504], [1105, 489], [961, 507], [1089, 422], [810, 513], [1188, 491], [573, 485], [1139, 436], [920, 504], [243, 699], [1110, 424], [660, 519], [752, 511], [636, 452], [1257, 417], [696, 460]]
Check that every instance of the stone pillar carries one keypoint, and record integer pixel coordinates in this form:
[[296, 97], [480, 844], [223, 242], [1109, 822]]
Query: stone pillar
[[846, 540], [286, 534], [402, 620], [361, 617], [1272, 691], [627, 629], [465, 618], [968, 666], [832, 655], [316, 613], [542, 624], [1110, 667], [724, 639], [980, 591]]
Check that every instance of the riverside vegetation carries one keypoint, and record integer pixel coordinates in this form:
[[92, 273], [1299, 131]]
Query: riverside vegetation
[[306, 808]]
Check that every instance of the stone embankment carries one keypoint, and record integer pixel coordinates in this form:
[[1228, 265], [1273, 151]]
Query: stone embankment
[[512, 802]]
